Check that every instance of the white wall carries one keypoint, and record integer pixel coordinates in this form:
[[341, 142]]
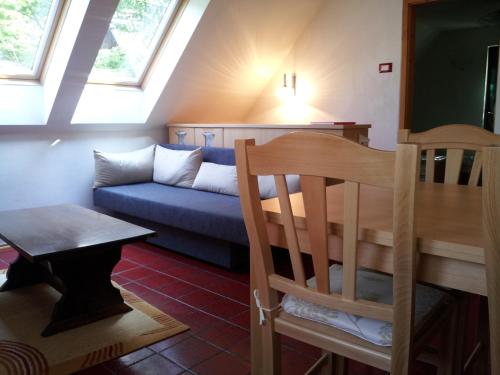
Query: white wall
[[336, 61], [32, 173]]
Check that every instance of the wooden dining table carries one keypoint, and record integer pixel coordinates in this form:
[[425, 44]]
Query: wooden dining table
[[449, 237]]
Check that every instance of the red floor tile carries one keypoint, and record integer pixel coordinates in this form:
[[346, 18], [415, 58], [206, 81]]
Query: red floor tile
[[129, 359], [154, 365], [136, 288], [292, 363], [223, 363], [190, 352], [200, 298], [96, 370], [163, 264], [231, 289], [225, 336], [124, 265], [154, 298], [242, 349], [242, 320], [119, 279], [171, 341], [225, 308], [8, 255], [301, 347], [176, 309], [137, 255], [139, 273], [199, 321], [202, 278], [176, 289], [157, 281]]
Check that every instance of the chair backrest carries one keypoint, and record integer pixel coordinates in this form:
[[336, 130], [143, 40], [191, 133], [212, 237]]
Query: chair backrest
[[316, 157], [491, 229], [455, 139]]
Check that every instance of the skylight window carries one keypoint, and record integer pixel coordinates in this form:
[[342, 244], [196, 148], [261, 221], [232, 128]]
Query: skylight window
[[132, 40], [26, 28]]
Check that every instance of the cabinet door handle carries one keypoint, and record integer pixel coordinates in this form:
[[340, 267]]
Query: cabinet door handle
[[181, 137], [209, 136]]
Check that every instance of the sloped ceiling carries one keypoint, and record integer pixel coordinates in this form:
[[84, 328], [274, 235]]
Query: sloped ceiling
[[235, 51]]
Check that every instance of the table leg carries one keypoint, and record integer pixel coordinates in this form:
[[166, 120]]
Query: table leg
[[22, 273], [87, 292]]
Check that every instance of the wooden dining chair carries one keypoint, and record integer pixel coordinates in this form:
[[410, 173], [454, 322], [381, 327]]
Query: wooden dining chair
[[455, 140], [491, 229], [390, 333]]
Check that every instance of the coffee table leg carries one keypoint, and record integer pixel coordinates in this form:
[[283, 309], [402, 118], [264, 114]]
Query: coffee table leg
[[87, 292], [22, 273]]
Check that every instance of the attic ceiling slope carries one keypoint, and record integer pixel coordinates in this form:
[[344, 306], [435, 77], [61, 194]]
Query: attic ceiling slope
[[234, 52]]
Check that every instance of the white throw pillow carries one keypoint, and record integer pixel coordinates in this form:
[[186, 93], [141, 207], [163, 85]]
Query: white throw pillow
[[217, 178], [176, 167], [267, 186], [123, 168]]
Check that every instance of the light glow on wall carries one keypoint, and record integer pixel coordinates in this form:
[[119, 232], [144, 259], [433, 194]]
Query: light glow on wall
[[294, 105]]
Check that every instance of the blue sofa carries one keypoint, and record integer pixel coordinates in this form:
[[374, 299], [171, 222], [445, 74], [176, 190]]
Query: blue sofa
[[204, 225]]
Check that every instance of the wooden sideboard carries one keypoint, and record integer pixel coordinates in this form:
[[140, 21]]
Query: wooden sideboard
[[224, 135]]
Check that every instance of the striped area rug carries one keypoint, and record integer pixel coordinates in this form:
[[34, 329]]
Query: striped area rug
[[26, 311]]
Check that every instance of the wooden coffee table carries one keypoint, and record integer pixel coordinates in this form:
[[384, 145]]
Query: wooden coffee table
[[73, 249]]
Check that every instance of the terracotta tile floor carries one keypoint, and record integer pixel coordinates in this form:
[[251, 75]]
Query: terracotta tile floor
[[212, 301]]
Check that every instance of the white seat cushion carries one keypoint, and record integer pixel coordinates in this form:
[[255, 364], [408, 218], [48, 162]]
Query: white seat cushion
[[371, 286]]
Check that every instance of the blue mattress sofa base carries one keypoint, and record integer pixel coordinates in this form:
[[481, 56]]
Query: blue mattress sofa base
[[205, 225], [210, 214], [222, 253]]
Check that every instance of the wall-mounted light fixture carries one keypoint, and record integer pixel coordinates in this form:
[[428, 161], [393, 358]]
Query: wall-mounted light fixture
[[288, 90], [293, 86]]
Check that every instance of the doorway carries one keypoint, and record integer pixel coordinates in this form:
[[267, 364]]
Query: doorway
[[450, 68]]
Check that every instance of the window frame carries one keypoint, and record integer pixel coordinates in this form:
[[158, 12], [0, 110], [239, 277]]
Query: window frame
[[172, 12], [45, 45]]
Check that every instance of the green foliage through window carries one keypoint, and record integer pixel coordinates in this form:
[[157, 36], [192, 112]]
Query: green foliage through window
[[131, 40], [23, 25]]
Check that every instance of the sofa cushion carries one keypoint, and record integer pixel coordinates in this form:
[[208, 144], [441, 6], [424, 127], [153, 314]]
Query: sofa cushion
[[176, 167], [217, 178], [211, 214], [217, 155], [124, 167], [267, 185]]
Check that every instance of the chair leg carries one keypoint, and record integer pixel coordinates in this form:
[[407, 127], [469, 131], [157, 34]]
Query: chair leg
[[271, 350]]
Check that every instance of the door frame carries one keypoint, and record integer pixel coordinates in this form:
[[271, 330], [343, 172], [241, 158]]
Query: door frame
[[408, 60]]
